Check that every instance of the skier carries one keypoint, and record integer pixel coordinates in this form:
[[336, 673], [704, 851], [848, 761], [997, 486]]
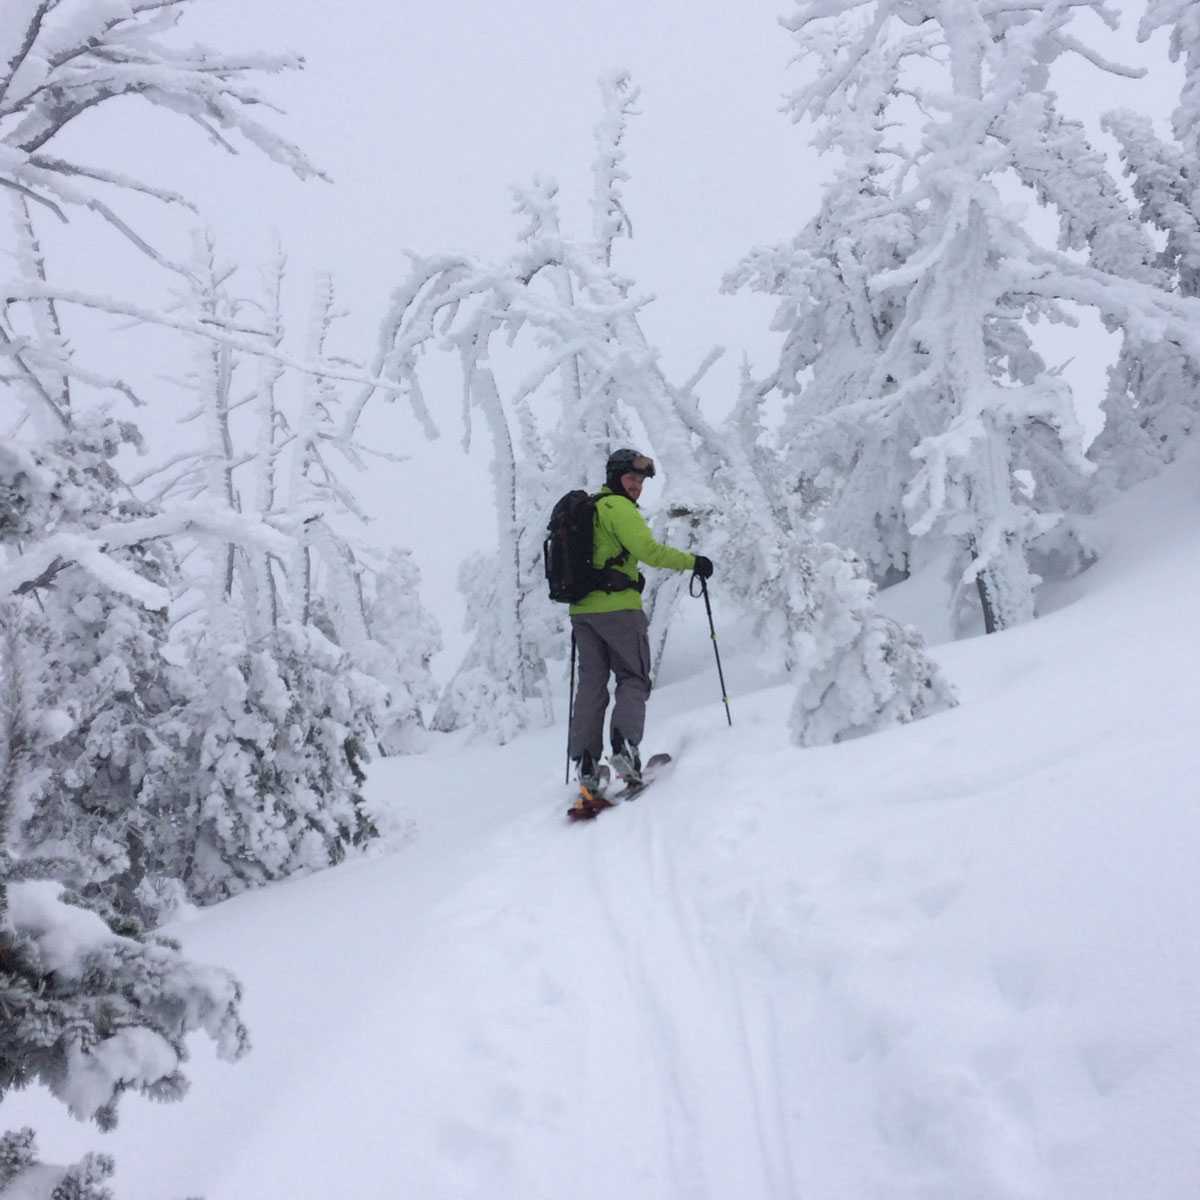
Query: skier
[[610, 627]]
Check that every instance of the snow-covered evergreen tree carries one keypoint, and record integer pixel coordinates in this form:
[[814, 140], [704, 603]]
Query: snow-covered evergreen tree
[[484, 694], [90, 1013], [135, 754], [850, 473], [921, 414], [406, 638], [1153, 399], [854, 670], [23, 1174], [1182, 20], [95, 782], [284, 735], [108, 799], [294, 683]]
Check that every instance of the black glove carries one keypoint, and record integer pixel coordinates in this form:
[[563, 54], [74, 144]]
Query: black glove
[[702, 567]]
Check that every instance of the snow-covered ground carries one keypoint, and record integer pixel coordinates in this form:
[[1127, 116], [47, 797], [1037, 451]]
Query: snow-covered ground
[[958, 960]]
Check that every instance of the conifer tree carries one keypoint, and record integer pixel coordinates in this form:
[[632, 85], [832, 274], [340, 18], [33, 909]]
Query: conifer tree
[[921, 415], [1153, 401], [296, 690], [108, 799], [22, 1174], [94, 779], [91, 1010], [853, 669]]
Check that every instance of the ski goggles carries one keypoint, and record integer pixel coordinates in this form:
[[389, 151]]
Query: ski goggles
[[642, 465]]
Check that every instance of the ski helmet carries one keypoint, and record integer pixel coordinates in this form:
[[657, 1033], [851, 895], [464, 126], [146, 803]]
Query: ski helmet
[[623, 462]]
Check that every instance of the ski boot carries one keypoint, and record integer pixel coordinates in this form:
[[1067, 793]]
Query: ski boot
[[593, 779], [626, 762]]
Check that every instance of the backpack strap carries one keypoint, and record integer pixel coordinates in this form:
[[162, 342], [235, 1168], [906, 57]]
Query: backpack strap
[[617, 559]]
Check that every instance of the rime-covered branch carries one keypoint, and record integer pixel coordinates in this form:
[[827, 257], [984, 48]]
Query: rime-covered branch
[[47, 557]]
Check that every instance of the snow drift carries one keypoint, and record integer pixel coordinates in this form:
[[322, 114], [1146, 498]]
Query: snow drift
[[955, 959]]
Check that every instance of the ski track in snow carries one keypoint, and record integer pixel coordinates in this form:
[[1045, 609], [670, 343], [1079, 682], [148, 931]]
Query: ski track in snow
[[954, 961]]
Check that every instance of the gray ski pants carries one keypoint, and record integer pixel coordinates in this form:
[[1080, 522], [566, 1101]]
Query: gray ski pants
[[616, 642]]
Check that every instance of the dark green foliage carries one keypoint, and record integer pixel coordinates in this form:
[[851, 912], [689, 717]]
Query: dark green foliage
[[83, 1181]]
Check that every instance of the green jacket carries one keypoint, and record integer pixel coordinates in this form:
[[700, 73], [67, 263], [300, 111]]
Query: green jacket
[[620, 526]]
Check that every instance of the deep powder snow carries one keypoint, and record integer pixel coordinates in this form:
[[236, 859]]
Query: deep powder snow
[[954, 961]]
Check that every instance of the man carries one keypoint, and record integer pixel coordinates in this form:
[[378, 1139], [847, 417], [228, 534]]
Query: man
[[610, 627]]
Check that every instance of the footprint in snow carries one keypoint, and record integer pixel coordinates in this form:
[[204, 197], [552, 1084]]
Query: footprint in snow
[[938, 897], [1112, 1063], [466, 1146], [1021, 981]]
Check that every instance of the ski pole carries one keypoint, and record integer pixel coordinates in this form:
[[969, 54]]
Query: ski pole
[[570, 709], [713, 634]]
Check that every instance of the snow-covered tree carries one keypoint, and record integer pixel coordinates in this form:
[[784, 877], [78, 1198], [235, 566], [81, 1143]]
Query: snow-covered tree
[[23, 1174], [120, 775], [295, 685], [598, 385], [586, 380], [124, 762], [857, 671], [850, 473], [854, 670], [108, 798], [921, 414], [485, 692], [58, 62], [285, 733], [1153, 399], [89, 1012], [406, 637], [331, 570], [92, 1014], [1183, 21]]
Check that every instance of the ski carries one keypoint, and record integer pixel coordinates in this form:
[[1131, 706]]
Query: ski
[[590, 805], [632, 790]]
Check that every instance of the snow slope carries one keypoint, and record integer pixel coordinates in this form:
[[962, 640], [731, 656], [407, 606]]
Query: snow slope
[[958, 960]]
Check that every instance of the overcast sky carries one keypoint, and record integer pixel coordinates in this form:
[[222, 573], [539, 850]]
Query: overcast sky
[[425, 114]]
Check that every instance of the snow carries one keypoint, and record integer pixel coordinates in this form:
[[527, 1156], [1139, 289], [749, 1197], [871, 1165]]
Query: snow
[[64, 933], [953, 961], [133, 1056], [34, 1183]]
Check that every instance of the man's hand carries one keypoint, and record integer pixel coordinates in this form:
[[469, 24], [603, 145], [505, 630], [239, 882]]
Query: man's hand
[[702, 567]]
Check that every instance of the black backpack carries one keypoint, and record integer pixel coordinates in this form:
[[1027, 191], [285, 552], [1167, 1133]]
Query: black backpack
[[568, 550]]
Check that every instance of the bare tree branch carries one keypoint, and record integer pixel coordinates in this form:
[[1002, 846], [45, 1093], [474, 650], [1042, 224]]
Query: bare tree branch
[[29, 194], [30, 376], [60, 166], [32, 29]]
